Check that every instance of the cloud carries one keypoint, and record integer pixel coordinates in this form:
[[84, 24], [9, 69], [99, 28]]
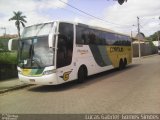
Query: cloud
[[7, 6], [43, 4], [121, 17], [30, 8], [125, 16], [78, 20]]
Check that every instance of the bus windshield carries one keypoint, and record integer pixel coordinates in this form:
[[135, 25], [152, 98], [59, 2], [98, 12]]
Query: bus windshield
[[38, 30], [34, 52]]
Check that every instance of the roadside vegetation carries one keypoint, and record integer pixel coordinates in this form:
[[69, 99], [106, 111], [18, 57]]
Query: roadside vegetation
[[19, 19], [8, 61], [154, 37]]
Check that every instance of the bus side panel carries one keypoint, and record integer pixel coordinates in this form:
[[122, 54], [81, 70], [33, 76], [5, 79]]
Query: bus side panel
[[119, 52], [84, 56], [94, 59]]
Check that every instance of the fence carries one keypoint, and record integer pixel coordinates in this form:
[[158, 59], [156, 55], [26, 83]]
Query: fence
[[146, 49], [8, 71]]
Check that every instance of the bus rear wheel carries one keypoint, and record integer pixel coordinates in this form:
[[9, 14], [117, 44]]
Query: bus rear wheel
[[124, 63], [121, 64], [82, 74]]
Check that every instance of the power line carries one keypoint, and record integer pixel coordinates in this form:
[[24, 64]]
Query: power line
[[73, 12], [143, 27], [91, 14]]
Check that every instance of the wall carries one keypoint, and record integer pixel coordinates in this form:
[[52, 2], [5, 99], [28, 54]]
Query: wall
[[146, 49]]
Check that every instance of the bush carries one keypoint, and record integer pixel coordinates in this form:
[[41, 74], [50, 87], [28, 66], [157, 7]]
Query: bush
[[8, 57], [153, 47], [8, 61]]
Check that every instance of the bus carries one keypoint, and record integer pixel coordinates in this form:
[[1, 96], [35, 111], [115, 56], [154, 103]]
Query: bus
[[57, 52]]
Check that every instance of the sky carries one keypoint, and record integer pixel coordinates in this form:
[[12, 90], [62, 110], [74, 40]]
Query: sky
[[107, 14]]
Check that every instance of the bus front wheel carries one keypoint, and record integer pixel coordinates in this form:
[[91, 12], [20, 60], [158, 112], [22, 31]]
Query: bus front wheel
[[82, 74]]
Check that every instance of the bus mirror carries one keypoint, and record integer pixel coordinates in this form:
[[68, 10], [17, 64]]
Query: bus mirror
[[50, 41], [121, 1], [57, 33], [10, 44]]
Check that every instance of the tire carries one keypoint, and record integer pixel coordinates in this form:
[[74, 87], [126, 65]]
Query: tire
[[121, 64], [124, 63], [82, 74]]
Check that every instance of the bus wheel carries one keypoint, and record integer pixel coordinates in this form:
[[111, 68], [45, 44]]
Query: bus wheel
[[125, 63], [121, 64], [82, 74]]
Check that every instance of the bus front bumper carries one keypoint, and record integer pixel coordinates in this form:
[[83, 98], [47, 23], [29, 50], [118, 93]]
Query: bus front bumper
[[41, 80]]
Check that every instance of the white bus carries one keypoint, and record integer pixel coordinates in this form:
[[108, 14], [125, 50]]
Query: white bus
[[58, 52]]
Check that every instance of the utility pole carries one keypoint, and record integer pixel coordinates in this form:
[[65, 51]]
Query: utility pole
[[158, 35], [139, 44]]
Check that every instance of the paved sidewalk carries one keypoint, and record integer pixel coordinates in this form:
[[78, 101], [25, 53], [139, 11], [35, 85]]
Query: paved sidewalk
[[11, 84], [138, 60]]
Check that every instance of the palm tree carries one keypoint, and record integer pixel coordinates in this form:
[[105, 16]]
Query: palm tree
[[19, 19]]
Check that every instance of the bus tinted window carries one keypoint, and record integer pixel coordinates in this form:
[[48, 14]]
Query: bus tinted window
[[65, 45], [103, 37], [89, 36], [86, 36], [122, 40], [82, 35]]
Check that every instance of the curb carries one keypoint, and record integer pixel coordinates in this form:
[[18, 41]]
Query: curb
[[14, 88], [149, 55], [145, 56]]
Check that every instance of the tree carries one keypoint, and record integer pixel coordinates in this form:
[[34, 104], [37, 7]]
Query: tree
[[19, 20], [154, 37]]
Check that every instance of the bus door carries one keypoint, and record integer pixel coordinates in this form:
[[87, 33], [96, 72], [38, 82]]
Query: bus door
[[65, 52]]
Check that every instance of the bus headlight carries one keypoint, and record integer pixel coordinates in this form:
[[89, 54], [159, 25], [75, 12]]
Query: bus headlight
[[49, 72]]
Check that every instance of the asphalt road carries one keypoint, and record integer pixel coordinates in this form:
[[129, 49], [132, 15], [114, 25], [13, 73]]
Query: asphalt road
[[133, 90]]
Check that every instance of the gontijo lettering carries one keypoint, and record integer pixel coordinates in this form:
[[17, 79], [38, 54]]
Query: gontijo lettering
[[116, 49]]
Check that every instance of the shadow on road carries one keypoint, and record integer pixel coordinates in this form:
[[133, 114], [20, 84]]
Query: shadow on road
[[74, 85]]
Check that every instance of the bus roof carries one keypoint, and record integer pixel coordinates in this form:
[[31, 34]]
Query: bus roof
[[102, 29], [89, 26]]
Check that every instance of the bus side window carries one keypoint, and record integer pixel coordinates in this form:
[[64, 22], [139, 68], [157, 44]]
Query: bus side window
[[81, 35], [65, 45]]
